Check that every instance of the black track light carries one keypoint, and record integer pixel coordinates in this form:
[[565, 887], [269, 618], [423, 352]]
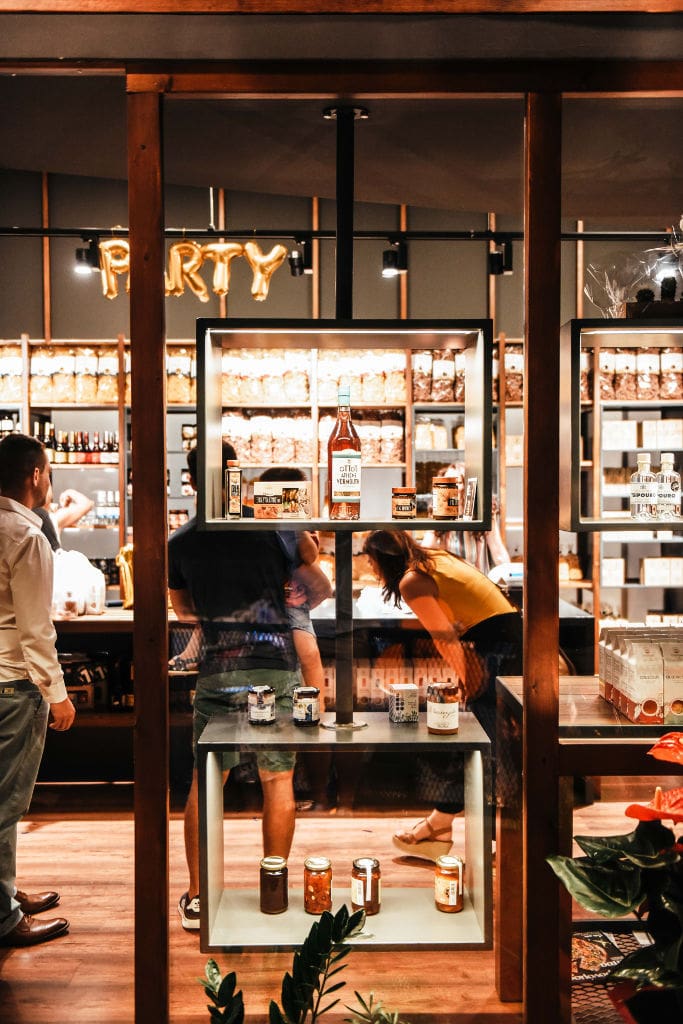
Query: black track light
[[395, 260], [301, 258], [500, 260], [88, 260]]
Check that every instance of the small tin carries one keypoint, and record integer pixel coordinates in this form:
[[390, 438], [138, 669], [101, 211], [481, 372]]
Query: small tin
[[403, 502], [273, 896], [445, 497], [366, 885], [317, 885], [448, 884], [442, 707], [261, 705], [306, 706]]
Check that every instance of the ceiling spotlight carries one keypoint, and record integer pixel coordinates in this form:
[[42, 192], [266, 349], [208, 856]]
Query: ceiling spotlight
[[500, 260], [395, 260], [301, 258], [88, 260]]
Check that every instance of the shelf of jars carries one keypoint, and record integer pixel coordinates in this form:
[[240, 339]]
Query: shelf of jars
[[407, 915], [620, 380]]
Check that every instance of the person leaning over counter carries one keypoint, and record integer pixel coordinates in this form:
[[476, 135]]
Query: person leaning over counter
[[31, 681], [475, 629]]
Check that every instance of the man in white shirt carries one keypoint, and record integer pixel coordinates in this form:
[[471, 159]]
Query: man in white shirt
[[31, 681]]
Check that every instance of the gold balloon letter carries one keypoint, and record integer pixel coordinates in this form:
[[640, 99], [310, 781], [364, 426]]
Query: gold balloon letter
[[184, 261], [222, 254], [263, 267], [114, 259]]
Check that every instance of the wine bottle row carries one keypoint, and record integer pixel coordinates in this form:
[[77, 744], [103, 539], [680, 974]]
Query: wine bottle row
[[76, 447]]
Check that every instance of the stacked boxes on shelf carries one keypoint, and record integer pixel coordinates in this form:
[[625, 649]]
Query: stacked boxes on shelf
[[640, 672]]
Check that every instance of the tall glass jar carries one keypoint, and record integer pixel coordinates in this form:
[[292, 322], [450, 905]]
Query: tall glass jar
[[448, 884], [317, 885], [366, 885], [273, 885]]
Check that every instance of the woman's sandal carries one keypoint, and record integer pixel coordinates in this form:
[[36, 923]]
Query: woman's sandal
[[428, 848]]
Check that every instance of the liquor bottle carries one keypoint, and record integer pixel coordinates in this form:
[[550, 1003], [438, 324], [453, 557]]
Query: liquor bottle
[[49, 441], [96, 447], [60, 448], [87, 449], [71, 447], [114, 447], [233, 490], [643, 490], [668, 489], [343, 462]]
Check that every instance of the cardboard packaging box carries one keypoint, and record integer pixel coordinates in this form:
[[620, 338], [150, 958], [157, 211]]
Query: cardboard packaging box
[[282, 499], [641, 695], [403, 702], [655, 572], [672, 655], [613, 572]]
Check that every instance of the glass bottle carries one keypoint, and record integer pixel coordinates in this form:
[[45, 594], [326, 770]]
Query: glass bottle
[[343, 462], [60, 448], [643, 490], [233, 490], [273, 885], [71, 447], [317, 885], [668, 489], [366, 885], [448, 884]]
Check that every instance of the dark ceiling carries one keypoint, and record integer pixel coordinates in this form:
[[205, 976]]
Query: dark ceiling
[[622, 159]]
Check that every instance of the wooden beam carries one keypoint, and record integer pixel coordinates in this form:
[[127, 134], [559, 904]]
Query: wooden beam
[[150, 565], [541, 821], [342, 6]]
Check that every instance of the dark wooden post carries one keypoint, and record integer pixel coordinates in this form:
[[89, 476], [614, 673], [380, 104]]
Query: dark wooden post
[[542, 221], [150, 565]]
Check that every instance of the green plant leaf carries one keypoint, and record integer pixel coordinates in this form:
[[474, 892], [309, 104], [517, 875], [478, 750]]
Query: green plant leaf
[[329, 1006], [333, 988], [215, 1014], [340, 924], [652, 965], [226, 989], [647, 846], [356, 923], [236, 1013], [275, 1014], [605, 891], [213, 974]]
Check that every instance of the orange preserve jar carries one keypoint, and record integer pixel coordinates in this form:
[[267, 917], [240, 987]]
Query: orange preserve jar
[[366, 885], [317, 885], [442, 707], [448, 884]]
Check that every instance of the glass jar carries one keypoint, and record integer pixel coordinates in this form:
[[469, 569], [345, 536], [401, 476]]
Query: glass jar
[[445, 497], [403, 503], [448, 884], [273, 885], [366, 885], [443, 707], [306, 706], [261, 705], [317, 885]]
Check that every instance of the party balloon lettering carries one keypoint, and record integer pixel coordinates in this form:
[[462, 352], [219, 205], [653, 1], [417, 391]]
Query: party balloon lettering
[[185, 260]]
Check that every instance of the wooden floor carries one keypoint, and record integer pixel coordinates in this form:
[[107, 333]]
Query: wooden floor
[[87, 976]]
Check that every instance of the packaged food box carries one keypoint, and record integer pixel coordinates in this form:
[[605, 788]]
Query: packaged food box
[[282, 499], [672, 655], [403, 702]]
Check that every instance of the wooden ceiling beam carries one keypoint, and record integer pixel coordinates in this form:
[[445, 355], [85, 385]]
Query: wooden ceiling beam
[[342, 6]]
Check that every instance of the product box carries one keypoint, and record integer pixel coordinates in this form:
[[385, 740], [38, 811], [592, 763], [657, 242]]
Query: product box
[[619, 435], [676, 572], [655, 572], [672, 655], [641, 696], [613, 572], [282, 499], [669, 434], [403, 702], [82, 696]]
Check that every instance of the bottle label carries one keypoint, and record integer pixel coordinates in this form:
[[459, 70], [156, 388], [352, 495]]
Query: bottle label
[[448, 891], [442, 716], [345, 476]]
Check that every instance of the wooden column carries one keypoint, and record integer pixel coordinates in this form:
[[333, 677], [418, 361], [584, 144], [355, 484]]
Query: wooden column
[[541, 540], [150, 567]]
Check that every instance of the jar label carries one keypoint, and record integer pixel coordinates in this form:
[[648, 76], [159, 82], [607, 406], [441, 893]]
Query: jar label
[[448, 891], [306, 709], [442, 716]]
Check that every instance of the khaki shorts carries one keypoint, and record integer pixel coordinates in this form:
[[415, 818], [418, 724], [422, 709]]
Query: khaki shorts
[[227, 691]]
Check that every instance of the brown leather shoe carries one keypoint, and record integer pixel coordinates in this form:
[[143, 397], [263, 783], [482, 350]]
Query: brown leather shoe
[[29, 932], [36, 902]]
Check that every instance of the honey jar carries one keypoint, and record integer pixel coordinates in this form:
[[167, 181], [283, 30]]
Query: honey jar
[[317, 885], [445, 497], [306, 706], [448, 884], [273, 885], [261, 705], [403, 503], [366, 885]]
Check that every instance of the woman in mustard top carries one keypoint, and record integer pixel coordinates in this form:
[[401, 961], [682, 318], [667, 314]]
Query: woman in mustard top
[[475, 629]]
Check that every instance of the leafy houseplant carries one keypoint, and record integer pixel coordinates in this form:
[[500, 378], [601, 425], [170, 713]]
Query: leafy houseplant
[[641, 873], [304, 990]]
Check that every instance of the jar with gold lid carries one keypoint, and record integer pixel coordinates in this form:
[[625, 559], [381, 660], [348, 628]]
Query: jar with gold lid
[[273, 885], [317, 885], [366, 885], [448, 884], [443, 707]]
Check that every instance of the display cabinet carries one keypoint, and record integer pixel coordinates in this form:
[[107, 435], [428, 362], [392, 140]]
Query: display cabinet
[[231, 918]]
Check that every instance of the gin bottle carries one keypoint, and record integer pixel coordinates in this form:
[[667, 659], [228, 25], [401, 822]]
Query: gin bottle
[[668, 489], [343, 463], [643, 490]]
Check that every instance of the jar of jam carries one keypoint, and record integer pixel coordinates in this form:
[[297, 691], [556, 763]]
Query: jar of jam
[[366, 885], [442, 707], [261, 705], [403, 503], [273, 885], [317, 885], [448, 884], [445, 497], [306, 706]]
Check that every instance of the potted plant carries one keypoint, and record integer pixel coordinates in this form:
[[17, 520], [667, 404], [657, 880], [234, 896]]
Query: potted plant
[[308, 986], [640, 872]]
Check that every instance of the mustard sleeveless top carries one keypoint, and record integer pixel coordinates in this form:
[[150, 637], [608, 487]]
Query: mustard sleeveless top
[[466, 596]]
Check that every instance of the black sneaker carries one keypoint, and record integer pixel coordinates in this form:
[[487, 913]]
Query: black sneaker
[[189, 912]]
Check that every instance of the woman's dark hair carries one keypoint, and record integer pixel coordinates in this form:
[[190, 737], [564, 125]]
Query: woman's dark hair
[[395, 553], [227, 452], [282, 473], [20, 455]]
